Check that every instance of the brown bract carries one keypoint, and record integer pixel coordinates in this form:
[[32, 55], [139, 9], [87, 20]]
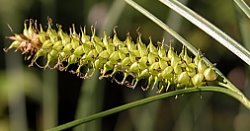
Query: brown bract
[[27, 45]]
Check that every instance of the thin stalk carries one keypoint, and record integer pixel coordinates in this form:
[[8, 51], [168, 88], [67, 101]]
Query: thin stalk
[[209, 28], [152, 99], [182, 40], [244, 7]]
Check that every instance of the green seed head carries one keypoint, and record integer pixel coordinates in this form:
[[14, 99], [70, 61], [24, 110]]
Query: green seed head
[[159, 67]]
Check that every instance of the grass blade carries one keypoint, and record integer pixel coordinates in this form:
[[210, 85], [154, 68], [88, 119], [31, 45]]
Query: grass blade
[[243, 6], [210, 29]]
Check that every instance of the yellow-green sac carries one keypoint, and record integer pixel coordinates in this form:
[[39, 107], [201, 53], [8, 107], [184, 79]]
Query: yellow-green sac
[[160, 68]]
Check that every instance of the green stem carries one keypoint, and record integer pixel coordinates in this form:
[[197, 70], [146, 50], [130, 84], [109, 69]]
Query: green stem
[[243, 6], [152, 99]]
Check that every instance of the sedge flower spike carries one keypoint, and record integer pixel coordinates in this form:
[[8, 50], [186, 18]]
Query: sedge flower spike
[[110, 55]]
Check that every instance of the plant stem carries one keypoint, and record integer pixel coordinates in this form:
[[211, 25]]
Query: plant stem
[[151, 99]]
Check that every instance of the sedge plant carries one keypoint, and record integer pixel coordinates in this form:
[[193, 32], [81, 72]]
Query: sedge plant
[[159, 68]]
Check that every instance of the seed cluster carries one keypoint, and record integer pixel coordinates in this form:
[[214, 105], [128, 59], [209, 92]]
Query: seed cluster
[[160, 68]]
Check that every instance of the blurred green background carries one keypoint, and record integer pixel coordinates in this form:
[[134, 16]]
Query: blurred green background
[[36, 99]]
